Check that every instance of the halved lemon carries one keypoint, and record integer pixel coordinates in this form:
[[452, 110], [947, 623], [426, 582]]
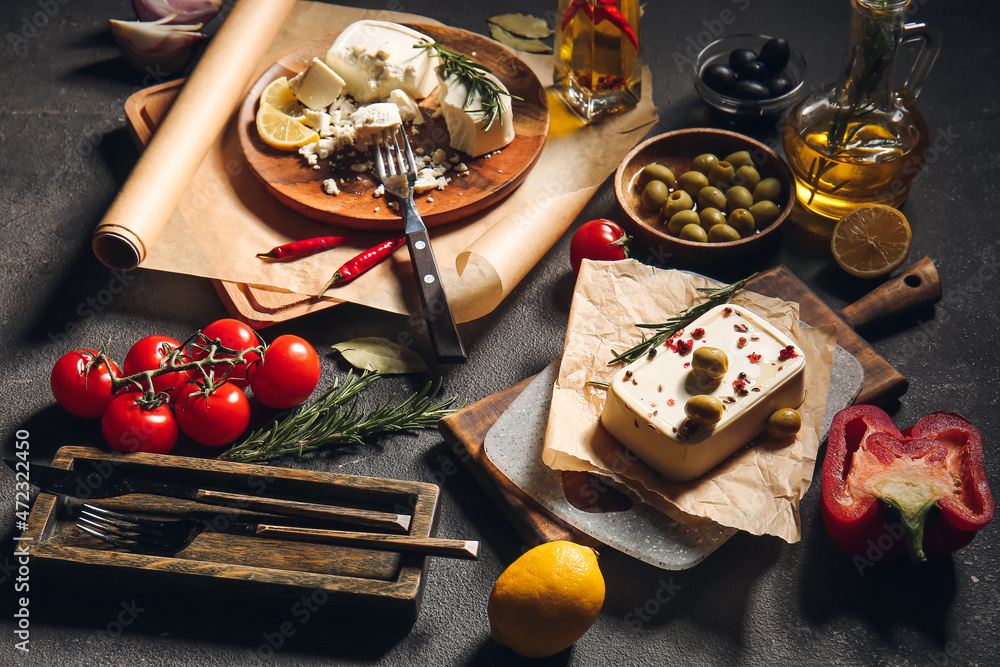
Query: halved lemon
[[281, 97], [281, 130], [871, 241]]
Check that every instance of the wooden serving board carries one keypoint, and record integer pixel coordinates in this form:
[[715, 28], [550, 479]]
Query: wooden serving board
[[466, 429], [238, 566]]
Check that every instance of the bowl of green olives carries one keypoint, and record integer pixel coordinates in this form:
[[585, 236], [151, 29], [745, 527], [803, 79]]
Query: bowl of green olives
[[750, 75], [704, 196]]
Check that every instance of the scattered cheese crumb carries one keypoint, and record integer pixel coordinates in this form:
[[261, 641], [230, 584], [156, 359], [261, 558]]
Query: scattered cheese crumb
[[379, 191], [430, 198], [330, 187]]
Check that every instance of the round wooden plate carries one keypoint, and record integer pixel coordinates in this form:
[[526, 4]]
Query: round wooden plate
[[287, 176]]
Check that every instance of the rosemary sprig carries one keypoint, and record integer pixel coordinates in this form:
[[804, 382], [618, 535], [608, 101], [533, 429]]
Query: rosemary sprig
[[331, 420], [665, 330], [475, 78]]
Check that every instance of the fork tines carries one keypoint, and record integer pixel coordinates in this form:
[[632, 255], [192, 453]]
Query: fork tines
[[402, 162]]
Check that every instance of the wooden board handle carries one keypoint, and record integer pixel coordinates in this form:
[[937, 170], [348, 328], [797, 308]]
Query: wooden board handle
[[429, 546], [383, 520], [917, 286]]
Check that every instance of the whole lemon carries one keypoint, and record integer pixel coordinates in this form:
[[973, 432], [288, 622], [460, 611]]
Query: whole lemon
[[547, 599]]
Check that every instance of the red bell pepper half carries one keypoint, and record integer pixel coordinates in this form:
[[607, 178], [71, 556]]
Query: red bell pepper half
[[871, 465]]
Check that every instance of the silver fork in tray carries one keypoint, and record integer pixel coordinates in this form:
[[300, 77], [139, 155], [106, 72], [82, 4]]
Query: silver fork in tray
[[398, 172]]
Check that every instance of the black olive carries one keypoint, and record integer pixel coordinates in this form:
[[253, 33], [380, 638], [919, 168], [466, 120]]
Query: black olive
[[753, 71], [779, 85], [750, 90], [719, 78], [774, 54], [740, 57]]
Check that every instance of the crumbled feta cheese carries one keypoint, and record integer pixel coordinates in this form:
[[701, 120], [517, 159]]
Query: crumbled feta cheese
[[330, 187], [462, 168], [379, 191], [361, 167]]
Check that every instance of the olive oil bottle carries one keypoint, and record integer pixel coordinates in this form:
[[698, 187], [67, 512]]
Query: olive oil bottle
[[598, 67], [863, 142]]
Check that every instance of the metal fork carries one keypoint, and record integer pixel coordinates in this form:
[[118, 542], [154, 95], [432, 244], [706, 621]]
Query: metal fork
[[164, 537], [398, 172]]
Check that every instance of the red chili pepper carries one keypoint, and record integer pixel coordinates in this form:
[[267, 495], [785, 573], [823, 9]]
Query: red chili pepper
[[304, 247], [358, 264], [938, 462], [573, 8], [616, 18]]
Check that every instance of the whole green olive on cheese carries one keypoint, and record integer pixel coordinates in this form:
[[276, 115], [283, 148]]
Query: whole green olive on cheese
[[704, 409], [784, 423], [709, 362]]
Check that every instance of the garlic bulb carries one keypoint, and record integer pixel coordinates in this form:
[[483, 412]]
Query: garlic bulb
[[156, 44], [188, 11]]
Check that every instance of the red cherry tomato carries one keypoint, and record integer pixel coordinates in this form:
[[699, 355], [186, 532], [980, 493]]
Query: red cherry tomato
[[236, 336], [287, 375], [83, 393], [213, 420], [598, 239], [147, 354], [129, 427]]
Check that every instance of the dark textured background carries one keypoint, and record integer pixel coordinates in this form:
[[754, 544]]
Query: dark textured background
[[64, 153]]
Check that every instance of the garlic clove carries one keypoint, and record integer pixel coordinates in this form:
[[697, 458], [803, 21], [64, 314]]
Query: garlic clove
[[159, 44], [187, 11]]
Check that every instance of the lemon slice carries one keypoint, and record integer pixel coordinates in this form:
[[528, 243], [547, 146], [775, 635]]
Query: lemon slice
[[281, 130], [281, 97], [871, 241]]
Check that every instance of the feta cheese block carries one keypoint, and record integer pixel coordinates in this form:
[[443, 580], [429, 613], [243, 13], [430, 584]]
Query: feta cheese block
[[467, 122], [408, 109], [376, 57], [371, 120], [317, 86], [644, 409]]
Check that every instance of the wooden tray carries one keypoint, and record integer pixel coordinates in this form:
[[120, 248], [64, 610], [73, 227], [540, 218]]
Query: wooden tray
[[466, 429], [237, 566], [292, 182]]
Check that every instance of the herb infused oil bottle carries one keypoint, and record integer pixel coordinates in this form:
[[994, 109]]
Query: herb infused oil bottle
[[863, 141], [598, 67]]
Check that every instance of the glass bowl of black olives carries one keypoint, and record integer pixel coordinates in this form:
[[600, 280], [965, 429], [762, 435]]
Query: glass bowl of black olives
[[750, 75]]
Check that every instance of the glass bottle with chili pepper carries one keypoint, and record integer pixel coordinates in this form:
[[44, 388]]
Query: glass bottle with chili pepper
[[598, 66]]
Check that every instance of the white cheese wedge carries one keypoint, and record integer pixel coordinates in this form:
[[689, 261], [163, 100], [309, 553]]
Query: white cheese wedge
[[317, 86], [376, 57], [467, 122], [644, 409], [371, 120], [408, 109]]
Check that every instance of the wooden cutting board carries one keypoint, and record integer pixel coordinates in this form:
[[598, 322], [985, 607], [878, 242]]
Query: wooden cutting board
[[466, 429]]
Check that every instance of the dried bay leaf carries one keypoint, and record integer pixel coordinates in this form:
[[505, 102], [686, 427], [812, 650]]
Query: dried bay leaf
[[381, 355], [519, 43], [523, 25]]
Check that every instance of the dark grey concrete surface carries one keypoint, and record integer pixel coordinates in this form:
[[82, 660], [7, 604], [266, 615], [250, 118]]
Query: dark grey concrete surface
[[64, 153]]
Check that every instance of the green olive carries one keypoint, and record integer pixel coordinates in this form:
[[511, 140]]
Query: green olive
[[723, 234], [748, 177], [709, 362], [742, 221], [694, 232], [783, 423], [656, 172], [654, 194], [738, 197], [710, 217], [677, 201], [680, 220], [767, 190], [710, 197], [764, 213], [704, 409], [721, 174], [691, 182], [739, 159], [704, 162]]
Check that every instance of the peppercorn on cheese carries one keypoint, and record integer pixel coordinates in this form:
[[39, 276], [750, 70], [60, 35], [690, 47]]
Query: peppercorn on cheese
[[645, 406]]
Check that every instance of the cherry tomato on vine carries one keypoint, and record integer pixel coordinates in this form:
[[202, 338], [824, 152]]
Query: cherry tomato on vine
[[598, 239], [130, 427], [216, 419], [288, 373], [236, 336], [81, 392], [147, 354]]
